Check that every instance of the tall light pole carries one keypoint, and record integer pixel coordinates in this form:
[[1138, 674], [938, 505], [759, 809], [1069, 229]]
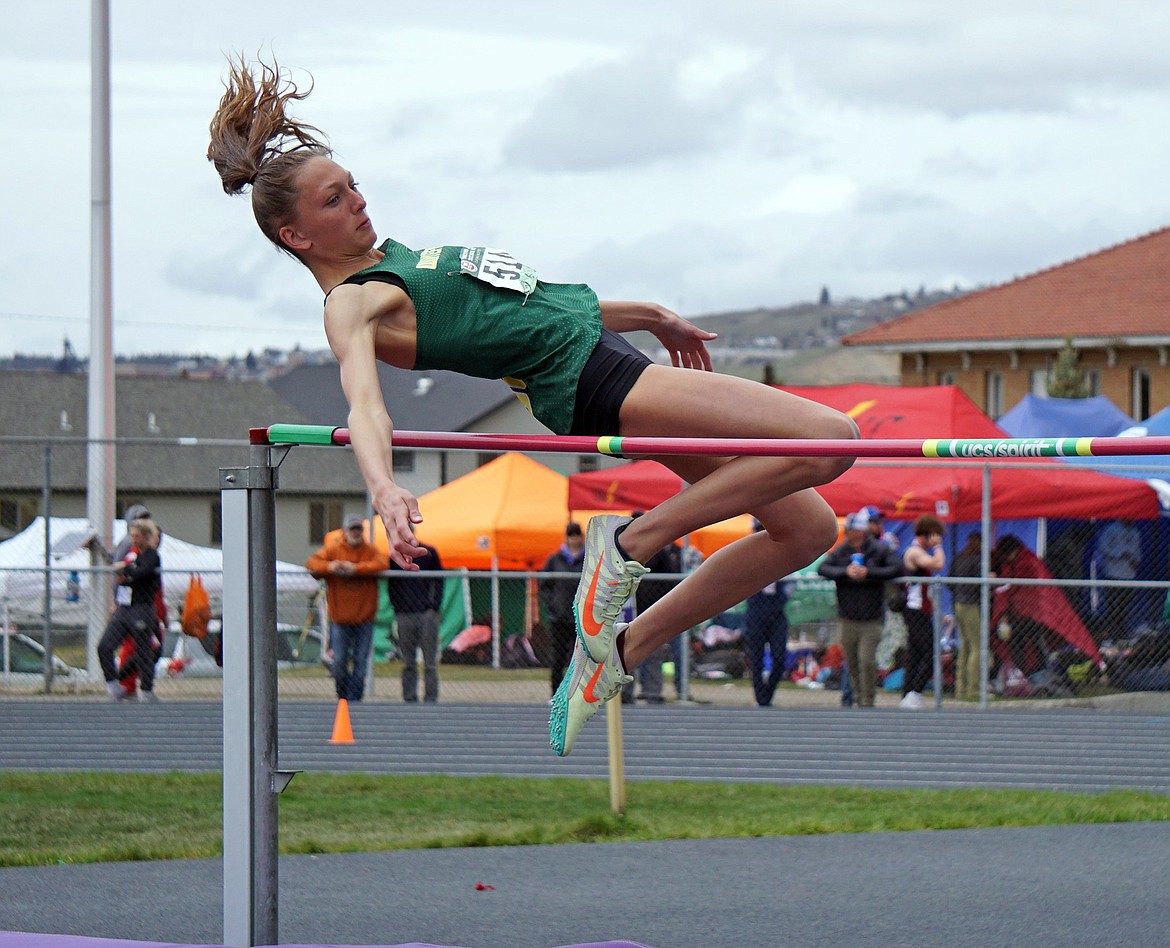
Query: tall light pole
[[100, 454]]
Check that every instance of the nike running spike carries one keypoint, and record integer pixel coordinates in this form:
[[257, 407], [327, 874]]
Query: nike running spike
[[608, 579], [586, 687]]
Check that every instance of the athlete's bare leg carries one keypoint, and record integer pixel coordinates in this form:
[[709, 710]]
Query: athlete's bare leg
[[668, 402], [797, 529], [798, 524]]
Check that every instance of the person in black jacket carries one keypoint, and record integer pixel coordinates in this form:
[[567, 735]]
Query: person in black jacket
[[556, 595], [860, 566], [417, 603], [666, 561], [137, 619]]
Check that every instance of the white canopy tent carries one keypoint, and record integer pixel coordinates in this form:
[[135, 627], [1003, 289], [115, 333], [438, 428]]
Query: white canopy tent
[[22, 579]]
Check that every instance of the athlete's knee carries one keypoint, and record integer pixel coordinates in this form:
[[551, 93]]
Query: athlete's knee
[[837, 427], [805, 537], [823, 531]]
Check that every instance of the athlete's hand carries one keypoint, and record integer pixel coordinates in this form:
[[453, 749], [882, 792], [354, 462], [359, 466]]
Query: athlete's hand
[[686, 342], [398, 509]]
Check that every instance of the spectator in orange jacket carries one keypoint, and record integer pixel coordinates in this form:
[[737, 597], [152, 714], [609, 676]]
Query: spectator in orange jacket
[[349, 565]]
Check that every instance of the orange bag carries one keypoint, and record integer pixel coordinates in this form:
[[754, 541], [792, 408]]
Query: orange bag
[[196, 609]]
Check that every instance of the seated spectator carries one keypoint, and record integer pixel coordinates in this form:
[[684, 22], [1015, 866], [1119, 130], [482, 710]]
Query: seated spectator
[[1031, 620]]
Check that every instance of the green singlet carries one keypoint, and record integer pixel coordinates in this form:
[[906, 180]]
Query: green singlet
[[484, 314]]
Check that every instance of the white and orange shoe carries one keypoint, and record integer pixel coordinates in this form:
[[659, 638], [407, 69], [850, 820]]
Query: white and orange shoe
[[587, 685], [608, 579]]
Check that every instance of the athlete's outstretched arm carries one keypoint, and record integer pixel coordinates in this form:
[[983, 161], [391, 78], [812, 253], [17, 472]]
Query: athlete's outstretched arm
[[686, 342], [350, 330]]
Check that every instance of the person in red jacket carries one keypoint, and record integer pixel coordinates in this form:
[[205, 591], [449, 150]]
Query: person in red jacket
[[350, 566], [1030, 620]]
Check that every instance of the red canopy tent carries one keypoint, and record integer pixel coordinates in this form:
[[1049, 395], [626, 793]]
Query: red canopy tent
[[638, 485], [950, 490], [641, 485], [953, 492]]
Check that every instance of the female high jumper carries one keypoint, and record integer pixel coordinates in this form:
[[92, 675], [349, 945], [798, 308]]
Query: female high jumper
[[481, 312]]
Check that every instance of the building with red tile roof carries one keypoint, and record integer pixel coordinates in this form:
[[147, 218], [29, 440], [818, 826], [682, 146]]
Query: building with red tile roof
[[1000, 343]]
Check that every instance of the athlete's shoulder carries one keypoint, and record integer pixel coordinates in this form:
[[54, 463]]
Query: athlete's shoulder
[[362, 302]]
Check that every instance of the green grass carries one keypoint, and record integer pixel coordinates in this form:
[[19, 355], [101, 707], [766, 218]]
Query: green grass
[[95, 817]]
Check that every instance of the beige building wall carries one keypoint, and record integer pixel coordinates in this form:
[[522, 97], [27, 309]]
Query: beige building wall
[[1114, 370]]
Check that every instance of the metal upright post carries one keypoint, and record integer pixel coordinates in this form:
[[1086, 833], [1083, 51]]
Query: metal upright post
[[251, 780], [985, 588]]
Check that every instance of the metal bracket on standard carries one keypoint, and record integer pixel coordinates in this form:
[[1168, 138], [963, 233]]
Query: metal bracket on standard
[[281, 779], [247, 478]]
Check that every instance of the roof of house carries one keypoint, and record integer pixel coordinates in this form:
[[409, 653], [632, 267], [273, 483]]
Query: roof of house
[[1121, 293], [53, 405], [417, 401]]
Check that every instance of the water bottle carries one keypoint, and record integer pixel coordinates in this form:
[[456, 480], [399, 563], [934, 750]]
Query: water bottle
[[73, 587], [857, 559]]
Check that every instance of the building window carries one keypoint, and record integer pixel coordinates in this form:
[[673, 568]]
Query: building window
[[946, 378], [10, 516], [994, 405], [1140, 399], [324, 517], [1038, 382], [1092, 382], [216, 531], [402, 461], [16, 513]]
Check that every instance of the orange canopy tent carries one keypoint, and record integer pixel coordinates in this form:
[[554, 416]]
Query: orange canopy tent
[[512, 511]]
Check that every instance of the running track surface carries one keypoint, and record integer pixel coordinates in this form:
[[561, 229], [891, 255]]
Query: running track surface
[[1064, 749]]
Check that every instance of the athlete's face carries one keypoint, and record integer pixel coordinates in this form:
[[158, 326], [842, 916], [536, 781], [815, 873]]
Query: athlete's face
[[331, 212]]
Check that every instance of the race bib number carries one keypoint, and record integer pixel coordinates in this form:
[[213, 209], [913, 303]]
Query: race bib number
[[497, 267]]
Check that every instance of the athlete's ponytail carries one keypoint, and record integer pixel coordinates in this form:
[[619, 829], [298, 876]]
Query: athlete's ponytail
[[254, 142]]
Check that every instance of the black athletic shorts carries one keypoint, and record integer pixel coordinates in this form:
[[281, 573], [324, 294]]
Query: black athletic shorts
[[606, 380]]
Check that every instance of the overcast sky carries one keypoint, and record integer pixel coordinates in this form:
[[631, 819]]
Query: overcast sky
[[710, 156]]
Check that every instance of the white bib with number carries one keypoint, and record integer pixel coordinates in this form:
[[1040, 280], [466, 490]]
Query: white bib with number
[[497, 267]]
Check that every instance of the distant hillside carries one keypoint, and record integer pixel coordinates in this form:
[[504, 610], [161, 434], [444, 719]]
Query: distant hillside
[[802, 342]]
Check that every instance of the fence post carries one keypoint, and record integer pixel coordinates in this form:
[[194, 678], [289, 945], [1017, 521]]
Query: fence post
[[47, 513], [250, 776], [497, 632]]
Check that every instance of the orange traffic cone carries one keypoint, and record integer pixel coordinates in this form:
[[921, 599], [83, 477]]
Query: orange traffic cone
[[342, 732]]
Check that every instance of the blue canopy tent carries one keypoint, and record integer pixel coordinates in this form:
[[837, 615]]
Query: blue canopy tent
[[1034, 417], [1155, 471]]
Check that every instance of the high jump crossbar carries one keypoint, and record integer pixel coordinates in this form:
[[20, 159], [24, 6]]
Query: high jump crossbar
[[960, 448]]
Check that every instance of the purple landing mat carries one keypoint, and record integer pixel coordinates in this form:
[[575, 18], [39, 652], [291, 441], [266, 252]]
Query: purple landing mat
[[28, 940]]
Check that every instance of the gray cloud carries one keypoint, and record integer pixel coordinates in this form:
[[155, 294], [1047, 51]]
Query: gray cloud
[[235, 271], [708, 157], [623, 113]]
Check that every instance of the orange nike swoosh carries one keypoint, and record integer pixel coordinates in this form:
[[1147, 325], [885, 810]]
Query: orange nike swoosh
[[588, 623], [589, 695]]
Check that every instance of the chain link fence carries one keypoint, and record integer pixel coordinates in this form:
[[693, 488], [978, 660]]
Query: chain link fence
[[1072, 608]]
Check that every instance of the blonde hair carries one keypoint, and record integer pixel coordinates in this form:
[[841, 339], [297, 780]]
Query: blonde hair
[[145, 526], [254, 142]]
